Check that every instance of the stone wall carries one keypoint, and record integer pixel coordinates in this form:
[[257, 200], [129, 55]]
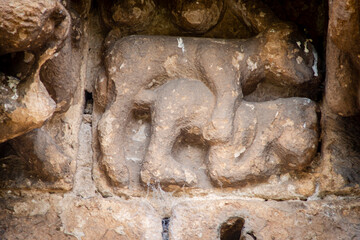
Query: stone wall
[[179, 119]]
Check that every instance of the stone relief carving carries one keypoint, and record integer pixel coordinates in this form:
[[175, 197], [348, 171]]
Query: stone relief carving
[[142, 71], [268, 138], [39, 36], [197, 85], [48, 67], [38, 98]]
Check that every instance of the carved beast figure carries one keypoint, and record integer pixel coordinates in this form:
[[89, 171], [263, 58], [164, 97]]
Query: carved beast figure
[[269, 137], [228, 68]]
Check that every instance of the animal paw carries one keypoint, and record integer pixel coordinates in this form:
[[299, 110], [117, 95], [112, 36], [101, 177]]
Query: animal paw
[[171, 173], [117, 173]]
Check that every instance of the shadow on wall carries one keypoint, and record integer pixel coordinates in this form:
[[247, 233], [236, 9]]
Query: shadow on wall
[[233, 228]]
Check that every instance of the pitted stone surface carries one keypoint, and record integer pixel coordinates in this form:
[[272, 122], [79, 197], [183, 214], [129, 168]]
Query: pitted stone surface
[[227, 68], [209, 123]]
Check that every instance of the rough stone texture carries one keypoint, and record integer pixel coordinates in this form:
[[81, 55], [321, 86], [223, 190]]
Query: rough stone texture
[[229, 69], [176, 106], [340, 114], [199, 16], [29, 30], [61, 83], [69, 217], [343, 58], [211, 116], [269, 138], [49, 152], [340, 165], [23, 107], [28, 105], [129, 15], [267, 220]]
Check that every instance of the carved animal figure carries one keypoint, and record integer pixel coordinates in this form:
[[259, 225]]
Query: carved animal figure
[[228, 68], [269, 137], [176, 106]]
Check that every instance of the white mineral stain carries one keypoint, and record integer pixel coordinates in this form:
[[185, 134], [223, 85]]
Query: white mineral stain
[[13, 82], [250, 106], [251, 65], [120, 230], [140, 135], [236, 59], [315, 196], [314, 67], [134, 159], [299, 60], [181, 44], [238, 153], [15, 96]]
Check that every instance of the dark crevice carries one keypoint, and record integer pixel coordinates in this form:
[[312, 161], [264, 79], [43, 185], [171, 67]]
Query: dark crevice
[[251, 234], [165, 225], [88, 108], [232, 229]]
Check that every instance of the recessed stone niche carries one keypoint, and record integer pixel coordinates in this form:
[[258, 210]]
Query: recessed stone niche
[[154, 119]]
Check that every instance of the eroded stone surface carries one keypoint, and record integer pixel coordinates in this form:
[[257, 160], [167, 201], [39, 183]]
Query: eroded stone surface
[[269, 138], [46, 82], [128, 15], [29, 30], [23, 107], [199, 16], [228, 68], [267, 220], [340, 114], [70, 217], [40, 35], [217, 182], [343, 59]]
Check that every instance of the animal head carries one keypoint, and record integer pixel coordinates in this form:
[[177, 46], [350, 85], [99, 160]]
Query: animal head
[[288, 58]]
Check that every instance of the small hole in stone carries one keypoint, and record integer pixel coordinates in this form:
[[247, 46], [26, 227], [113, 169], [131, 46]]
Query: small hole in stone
[[88, 103], [165, 225], [231, 229]]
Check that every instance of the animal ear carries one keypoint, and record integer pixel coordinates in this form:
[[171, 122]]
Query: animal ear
[[255, 14]]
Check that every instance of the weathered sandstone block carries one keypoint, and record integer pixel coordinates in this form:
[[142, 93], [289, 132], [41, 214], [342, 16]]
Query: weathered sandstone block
[[265, 220], [340, 113], [128, 15], [29, 25], [197, 16], [269, 138], [343, 58], [22, 107], [229, 69], [26, 105]]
